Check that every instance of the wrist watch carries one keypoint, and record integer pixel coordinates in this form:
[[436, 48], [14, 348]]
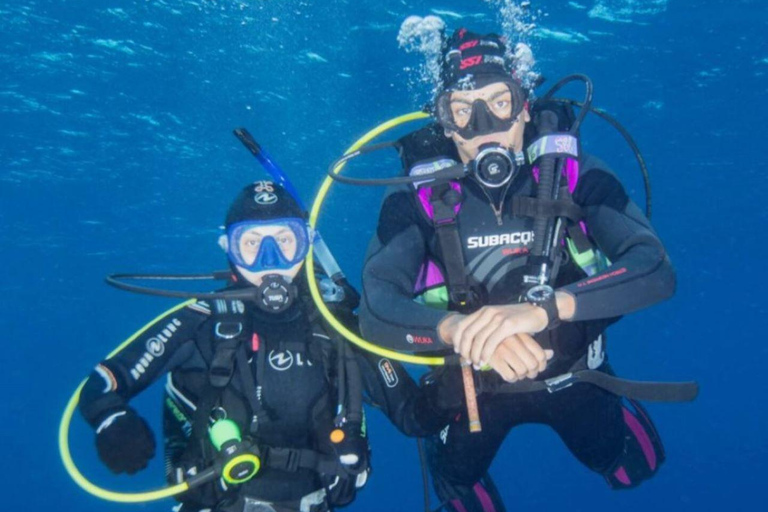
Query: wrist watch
[[543, 295]]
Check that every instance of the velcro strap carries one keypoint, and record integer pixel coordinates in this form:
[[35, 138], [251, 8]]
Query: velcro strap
[[533, 207]]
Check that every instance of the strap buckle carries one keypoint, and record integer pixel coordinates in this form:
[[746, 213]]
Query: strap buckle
[[286, 459], [228, 330], [560, 382]]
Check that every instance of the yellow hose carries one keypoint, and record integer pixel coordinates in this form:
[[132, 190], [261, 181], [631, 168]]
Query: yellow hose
[[66, 455], [167, 492], [315, 292]]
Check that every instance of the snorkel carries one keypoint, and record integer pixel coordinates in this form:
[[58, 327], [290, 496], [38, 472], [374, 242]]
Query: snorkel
[[236, 461]]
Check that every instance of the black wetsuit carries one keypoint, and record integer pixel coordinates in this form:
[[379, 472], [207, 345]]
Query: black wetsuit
[[592, 422], [292, 361]]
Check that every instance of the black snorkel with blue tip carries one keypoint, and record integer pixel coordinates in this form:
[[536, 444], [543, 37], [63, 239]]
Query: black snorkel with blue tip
[[345, 292]]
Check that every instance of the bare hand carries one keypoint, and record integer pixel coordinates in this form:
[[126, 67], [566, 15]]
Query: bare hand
[[477, 336], [519, 357]]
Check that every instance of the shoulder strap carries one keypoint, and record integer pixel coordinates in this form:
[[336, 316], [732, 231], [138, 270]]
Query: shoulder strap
[[445, 201], [232, 331]]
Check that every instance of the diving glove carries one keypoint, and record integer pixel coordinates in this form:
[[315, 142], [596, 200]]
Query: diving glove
[[354, 456], [125, 442], [353, 450]]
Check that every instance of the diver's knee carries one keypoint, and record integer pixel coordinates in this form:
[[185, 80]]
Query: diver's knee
[[643, 452]]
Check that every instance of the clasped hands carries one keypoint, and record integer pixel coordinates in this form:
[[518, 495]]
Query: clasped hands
[[501, 337]]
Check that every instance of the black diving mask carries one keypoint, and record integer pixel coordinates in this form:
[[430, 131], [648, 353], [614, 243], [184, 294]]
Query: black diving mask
[[482, 117]]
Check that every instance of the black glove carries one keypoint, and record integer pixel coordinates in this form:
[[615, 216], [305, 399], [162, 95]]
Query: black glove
[[353, 451], [125, 442], [354, 456]]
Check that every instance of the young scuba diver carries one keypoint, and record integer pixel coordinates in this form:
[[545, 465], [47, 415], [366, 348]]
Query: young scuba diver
[[255, 382], [457, 263]]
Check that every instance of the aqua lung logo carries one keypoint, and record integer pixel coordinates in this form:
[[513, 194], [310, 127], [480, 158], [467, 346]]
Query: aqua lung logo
[[518, 238], [155, 348], [284, 360], [264, 193], [281, 361]]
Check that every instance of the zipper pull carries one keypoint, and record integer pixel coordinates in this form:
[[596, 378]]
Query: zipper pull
[[497, 212]]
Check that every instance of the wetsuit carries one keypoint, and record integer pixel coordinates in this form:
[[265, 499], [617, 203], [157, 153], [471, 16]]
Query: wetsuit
[[612, 439], [292, 363]]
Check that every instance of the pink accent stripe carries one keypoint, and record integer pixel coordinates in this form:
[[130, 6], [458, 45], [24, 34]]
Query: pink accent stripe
[[572, 173], [642, 438], [418, 286], [458, 506], [484, 497], [424, 195], [621, 476]]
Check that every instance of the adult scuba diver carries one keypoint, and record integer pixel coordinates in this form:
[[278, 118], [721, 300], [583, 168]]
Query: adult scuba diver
[[509, 244], [263, 404]]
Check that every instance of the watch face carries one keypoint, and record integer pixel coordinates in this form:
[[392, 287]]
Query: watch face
[[540, 293]]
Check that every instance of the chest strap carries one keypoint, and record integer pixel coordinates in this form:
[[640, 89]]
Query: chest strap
[[445, 201], [231, 333], [293, 459], [546, 208]]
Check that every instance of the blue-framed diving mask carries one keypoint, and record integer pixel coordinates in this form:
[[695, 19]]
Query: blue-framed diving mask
[[272, 244]]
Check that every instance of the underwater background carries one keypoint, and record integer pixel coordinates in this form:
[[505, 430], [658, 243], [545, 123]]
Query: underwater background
[[116, 155]]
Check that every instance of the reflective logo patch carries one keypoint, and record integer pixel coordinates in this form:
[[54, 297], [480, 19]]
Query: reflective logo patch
[[280, 361], [388, 372]]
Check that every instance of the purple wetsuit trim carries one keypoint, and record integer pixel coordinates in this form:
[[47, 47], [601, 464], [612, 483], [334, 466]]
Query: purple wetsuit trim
[[621, 476], [642, 438], [458, 506], [430, 276], [425, 194], [484, 497]]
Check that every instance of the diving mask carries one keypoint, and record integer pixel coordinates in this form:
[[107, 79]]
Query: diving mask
[[273, 244], [496, 113]]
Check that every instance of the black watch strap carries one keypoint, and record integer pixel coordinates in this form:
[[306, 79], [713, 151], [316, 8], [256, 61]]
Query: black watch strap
[[553, 315]]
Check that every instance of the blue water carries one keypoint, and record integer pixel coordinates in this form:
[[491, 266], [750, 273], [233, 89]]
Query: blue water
[[116, 155]]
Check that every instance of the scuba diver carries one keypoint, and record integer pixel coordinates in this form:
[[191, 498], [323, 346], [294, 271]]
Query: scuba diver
[[257, 387], [518, 263]]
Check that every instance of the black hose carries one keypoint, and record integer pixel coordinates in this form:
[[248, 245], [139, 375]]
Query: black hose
[[587, 98], [424, 474], [354, 385], [341, 380], [547, 124], [117, 280], [630, 141], [362, 151]]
